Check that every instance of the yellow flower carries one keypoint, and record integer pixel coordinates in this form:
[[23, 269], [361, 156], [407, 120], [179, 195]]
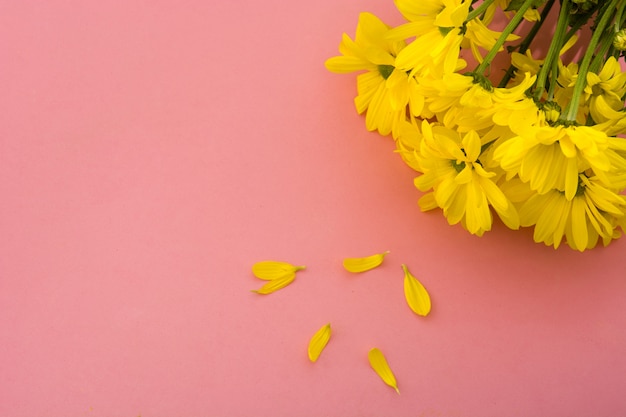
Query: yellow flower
[[318, 342], [437, 26], [364, 264], [383, 91], [551, 157], [605, 91], [510, 106], [525, 63], [594, 212], [461, 185], [565, 89], [619, 41], [278, 274], [408, 141], [379, 364]]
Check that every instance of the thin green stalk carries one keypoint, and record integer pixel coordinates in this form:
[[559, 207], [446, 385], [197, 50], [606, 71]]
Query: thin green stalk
[[600, 57], [479, 10], [581, 80], [554, 50], [510, 27], [525, 44]]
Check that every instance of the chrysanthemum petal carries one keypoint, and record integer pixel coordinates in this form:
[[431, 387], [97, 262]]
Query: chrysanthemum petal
[[269, 270], [318, 342], [416, 295], [381, 367], [276, 284], [364, 264]]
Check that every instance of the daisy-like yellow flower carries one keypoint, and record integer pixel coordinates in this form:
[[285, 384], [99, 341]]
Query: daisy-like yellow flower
[[437, 26], [605, 90], [525, 63], [383, 90], [470, 102], [564, 90], [594, 213], [551, 157], [461, 186], [408, 141]]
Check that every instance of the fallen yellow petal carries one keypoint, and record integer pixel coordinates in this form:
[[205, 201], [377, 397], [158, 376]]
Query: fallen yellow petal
[[269, 270], [381, 367], [276, 284], [318, 342], [364, 264], [416, 295]]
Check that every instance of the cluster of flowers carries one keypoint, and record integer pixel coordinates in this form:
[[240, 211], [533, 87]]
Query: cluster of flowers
[[538, 143]]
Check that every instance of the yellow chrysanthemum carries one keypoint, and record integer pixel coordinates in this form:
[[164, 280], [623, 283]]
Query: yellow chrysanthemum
[[383, 91], [461, 186], [604, 91], [564, 90], [593, 213], [408, 141], [551, 157], [471, 103], [525, 63], [437, 26]]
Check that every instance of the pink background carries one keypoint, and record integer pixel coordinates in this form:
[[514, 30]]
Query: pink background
[[152, 151]]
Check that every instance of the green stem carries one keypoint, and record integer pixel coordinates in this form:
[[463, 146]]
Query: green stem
[[600, 57], [581, 80], [479, 10], [510, 27], [523, 47], [554, 50]]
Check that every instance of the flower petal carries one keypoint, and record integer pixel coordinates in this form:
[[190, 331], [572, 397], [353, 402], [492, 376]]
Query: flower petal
[[381, 367], [364, 264], [318, 342], [269, 270], [416, 295], [276, 284]]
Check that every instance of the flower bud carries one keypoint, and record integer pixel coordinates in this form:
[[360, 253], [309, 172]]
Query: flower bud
[[619, 41]]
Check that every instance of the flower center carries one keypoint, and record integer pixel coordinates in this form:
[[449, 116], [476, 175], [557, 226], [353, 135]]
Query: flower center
[[385, 70], [458, 166]]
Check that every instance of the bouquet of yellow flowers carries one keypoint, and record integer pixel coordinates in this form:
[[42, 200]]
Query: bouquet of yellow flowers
[[537, 143]]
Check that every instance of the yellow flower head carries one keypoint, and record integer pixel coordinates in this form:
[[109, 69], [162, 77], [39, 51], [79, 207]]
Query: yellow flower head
[[604, 91], [408, 141], [619, 41], [551, 157], [383, 90], [594, 212], [437, 26], [461, 185]]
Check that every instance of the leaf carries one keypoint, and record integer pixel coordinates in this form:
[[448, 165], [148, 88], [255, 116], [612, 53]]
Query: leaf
[[269, 270], [381, 367], [364, 264], [318, 342], [276, 284], [416, 295]]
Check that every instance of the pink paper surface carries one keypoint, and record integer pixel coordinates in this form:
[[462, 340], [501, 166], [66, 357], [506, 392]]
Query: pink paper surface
[[152, 151]]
